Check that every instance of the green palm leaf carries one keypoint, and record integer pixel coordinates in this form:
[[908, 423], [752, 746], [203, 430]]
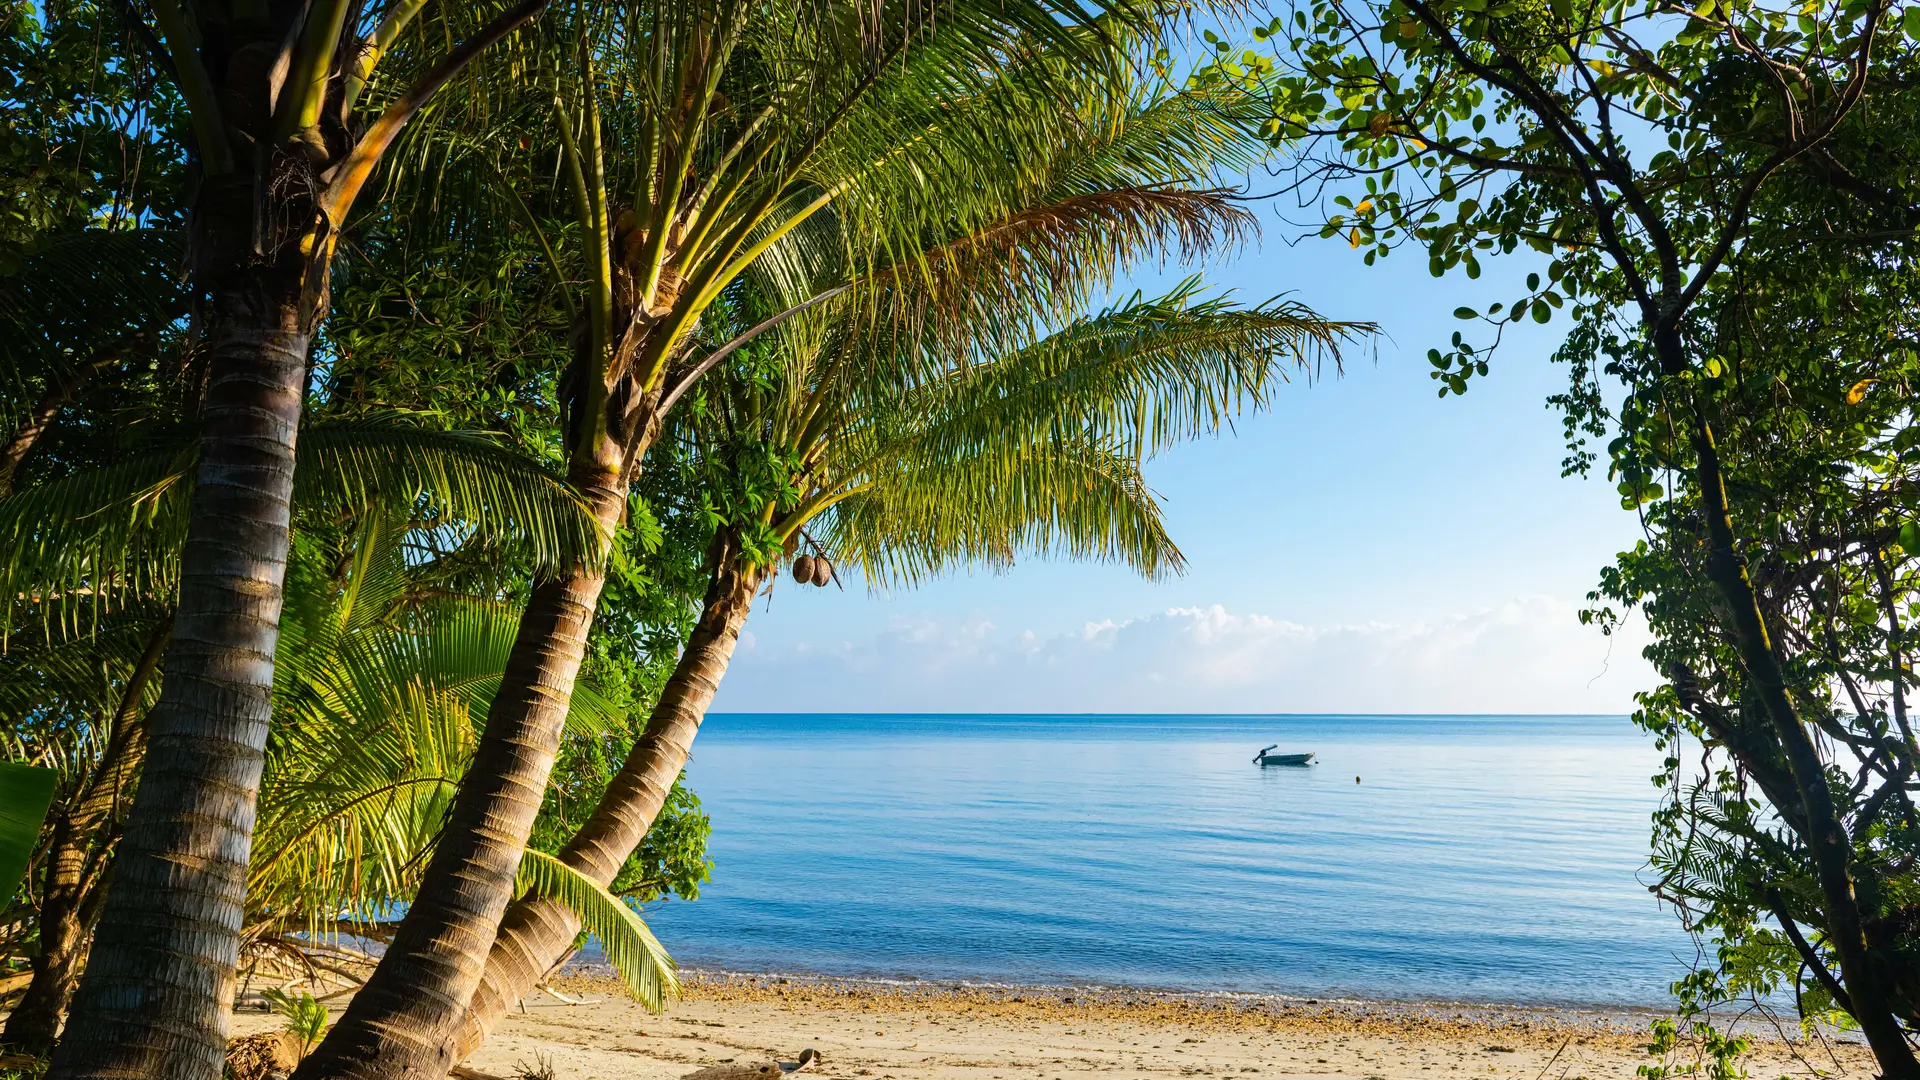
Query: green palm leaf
[[115, 532], [631, 947], [77, 294], [446, 477], [26, 791], [1058, 497]]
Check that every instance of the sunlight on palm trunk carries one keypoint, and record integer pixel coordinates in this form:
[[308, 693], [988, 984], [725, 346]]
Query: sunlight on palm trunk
[[158, 992], [538, 933], [401, 1021], [159, 984]]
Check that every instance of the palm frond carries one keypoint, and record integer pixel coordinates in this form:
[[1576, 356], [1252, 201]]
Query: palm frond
[[1143, 374], [1053, 498], [453, 478], [77, 293], [635, 953], [115, 532]]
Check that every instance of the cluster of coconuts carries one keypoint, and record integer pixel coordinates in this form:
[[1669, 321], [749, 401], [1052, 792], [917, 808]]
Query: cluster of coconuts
[[817, 570]]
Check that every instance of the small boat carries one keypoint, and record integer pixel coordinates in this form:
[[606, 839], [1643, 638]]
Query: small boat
[[1266, 757]]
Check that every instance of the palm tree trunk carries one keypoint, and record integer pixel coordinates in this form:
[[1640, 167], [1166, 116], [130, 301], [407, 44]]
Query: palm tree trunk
[[157, 995], [34, 1024], [406, 1021], [538, 933], [76, 863]]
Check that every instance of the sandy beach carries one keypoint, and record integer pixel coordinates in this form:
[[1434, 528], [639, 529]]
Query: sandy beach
[[896, 1031]]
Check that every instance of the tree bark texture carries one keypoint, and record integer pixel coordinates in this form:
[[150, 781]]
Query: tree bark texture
[[157, 995], [77, 859], [537, 933], [34, 1024], [406, 1021]]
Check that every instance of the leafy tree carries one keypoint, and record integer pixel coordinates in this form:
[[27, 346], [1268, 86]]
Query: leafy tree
[[1646, 149], [1810, 384], [85, 140]]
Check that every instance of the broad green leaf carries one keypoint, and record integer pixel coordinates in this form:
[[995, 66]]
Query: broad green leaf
[[25, 793]]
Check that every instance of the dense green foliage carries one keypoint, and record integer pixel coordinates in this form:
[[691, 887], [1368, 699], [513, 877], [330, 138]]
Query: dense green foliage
[[658, 297], [1719, 200]]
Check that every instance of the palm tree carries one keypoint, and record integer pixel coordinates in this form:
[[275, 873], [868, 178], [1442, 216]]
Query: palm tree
[[753, 142], [76, 704], [92, 562], [1038, 450], [388, 666], [274, 95], [1118, 191]]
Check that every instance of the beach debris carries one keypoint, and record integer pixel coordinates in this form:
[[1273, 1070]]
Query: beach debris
[[756, 1070], [263, 1056], [541, 1069], [803, 569]]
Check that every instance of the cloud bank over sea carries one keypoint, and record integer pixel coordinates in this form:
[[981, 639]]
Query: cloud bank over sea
[[1527, 655]]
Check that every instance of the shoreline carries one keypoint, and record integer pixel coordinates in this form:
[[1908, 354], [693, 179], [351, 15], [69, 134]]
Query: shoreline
[[731, 1025], [1129, 994], [1629, 1018]]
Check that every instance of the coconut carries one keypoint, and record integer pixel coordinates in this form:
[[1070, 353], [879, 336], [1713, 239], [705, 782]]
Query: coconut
[[803, 569], [822, 571]]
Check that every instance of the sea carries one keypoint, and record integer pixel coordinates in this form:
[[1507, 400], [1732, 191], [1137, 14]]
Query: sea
[[1498, 859]]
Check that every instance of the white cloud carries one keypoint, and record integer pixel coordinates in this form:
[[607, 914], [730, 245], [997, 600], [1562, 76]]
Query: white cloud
[[1527, 655]]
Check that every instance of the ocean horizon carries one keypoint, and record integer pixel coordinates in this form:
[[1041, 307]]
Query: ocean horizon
[[1455, 857]]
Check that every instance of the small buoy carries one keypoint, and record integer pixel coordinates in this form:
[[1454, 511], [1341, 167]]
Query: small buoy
[[1356, 779], [803, 569], [822, 572]]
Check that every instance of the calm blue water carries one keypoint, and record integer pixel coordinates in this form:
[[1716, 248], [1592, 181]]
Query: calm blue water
[[1479, 858]]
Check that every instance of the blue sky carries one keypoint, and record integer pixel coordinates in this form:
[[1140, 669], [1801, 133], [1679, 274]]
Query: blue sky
[[1364, 546]]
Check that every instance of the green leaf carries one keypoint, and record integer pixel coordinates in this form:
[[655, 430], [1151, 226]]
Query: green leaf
[[1465, 313], [631, 947], [1910, 537], [26, 791]]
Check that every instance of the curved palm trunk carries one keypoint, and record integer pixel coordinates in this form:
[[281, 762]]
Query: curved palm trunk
[[34, 1023], [156, 998], [76, 864], [538, 933], [406, 1020]]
